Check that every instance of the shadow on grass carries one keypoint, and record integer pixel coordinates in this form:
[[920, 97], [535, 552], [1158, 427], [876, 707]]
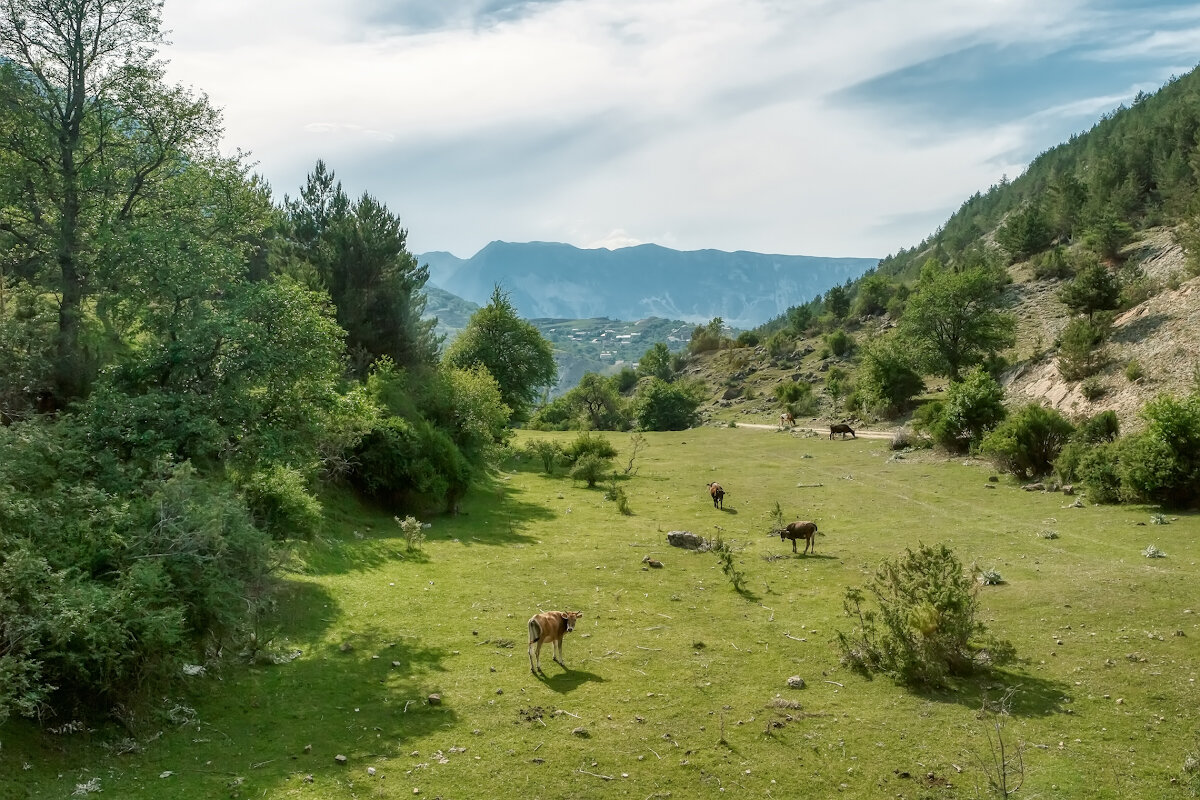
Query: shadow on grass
[[1031, 696], [570, 680]]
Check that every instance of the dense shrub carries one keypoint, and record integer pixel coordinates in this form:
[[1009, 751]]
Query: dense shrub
[[587, 444], [1027, 443], [1099, 469], [839, 342], [546, 451], [972, 407], [747, 339], [780, 344], [1102, 427], [663, 406], [590, 468], [110, 579], [926, 627], [1162, 464], [887, 376], [280, 503], [402, 463], [797, 396]]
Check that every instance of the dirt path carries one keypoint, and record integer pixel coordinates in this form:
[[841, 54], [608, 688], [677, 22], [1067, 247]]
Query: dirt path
[[860, 433]]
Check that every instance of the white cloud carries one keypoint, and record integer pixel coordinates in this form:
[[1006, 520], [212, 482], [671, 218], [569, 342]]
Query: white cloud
[[694, 123]]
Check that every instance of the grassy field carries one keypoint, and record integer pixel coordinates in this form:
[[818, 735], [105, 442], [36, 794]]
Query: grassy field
[[677, 684]]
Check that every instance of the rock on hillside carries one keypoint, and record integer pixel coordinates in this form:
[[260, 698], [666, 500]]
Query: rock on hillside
[[1161, 333]]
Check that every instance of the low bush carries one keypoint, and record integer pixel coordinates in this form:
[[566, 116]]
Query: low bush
[[280, 503], [1092, 388], [1027, 443], [926, 627], [587, 444], [590, 468]]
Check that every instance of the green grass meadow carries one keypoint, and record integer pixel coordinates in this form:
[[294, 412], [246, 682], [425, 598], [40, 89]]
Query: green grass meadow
[[672, 673]]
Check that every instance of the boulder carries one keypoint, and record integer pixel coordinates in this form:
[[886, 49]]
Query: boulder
[[686, 540]]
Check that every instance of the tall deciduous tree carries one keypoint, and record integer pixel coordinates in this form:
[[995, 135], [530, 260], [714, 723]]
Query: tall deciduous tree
[[96, 130], [953, 317], [511, 349]]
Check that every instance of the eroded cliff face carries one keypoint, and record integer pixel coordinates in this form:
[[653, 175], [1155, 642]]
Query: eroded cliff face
[[1162, 334]]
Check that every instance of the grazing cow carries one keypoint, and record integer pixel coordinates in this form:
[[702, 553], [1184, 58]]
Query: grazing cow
[[549, 626], [652, 563], [841, 428], [800, 530], [718, 495], [786, 419]]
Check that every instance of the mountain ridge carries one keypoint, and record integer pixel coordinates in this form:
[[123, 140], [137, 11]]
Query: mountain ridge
[[557, 280]]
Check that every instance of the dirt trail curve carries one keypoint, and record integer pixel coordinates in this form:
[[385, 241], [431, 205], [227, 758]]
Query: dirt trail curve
[[860, 433]]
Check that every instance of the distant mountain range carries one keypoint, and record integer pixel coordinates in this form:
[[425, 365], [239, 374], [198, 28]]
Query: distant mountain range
[[549, 279]]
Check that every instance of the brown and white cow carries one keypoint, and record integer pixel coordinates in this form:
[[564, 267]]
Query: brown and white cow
[[549, 626], [800, 529], [786, 420], [718, 495]]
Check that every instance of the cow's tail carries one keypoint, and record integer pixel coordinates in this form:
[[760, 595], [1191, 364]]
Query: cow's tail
[[535, 631]]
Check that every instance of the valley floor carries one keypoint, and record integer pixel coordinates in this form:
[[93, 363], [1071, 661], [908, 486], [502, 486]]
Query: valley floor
[[676, 685]]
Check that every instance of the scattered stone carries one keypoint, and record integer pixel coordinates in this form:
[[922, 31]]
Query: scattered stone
[[796, 682], [1068, 489], [993, 478], [346, 647], [499, 691], [989, 486], [370, 770], [340, 759], [581, 732], [1034, 487], [435, 699], [308, 778], [308, 748]]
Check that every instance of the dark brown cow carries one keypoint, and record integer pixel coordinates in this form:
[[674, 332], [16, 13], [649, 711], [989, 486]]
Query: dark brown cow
[[841, 428], [549, 626], [801, 529], [718, 495]]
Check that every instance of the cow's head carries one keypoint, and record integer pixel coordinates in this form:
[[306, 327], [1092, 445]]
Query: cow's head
[[569, 618]]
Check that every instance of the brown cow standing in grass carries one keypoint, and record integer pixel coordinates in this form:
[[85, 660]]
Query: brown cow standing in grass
[[549, 626], [841, 428], [718, 495], [787, 420], [801, 529]]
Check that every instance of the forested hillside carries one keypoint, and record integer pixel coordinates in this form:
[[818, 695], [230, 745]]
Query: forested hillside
[[1051, 314], [188, 363]]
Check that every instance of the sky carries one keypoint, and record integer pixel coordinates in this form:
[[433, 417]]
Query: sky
[[803, 127]]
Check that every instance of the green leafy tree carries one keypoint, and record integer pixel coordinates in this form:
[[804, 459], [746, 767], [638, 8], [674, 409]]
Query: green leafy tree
[[656, 363], [97, 132], [511, 349], [661, 406], [598, 402], [887, 376], [953, 318], [1095, 288], [873, 294]]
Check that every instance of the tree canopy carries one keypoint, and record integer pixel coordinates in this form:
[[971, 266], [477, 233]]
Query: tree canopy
[[511, 349]]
